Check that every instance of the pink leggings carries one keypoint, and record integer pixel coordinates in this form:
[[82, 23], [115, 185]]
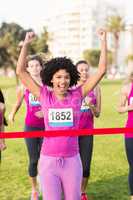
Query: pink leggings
[[59, 174]]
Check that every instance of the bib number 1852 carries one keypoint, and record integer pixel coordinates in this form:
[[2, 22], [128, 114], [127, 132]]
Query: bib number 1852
[[60, 117]]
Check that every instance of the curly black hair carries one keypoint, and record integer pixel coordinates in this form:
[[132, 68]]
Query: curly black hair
[[56, 64]]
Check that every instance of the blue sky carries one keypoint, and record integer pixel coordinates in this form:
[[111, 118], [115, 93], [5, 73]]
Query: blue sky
[[31, 13]]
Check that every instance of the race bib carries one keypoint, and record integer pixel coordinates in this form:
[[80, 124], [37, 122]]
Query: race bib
[[60, 117], [131, 100], [33, 100]]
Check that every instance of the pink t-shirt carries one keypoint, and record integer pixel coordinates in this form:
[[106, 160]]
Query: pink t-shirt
[[129, 123], [87, 119], [61, 115], [32, 106]]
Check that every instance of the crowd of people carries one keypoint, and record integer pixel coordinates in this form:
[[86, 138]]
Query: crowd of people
[[61, 95]]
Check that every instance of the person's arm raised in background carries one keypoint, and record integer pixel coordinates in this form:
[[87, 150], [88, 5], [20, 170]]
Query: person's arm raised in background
[[94, 79], [24, 76]]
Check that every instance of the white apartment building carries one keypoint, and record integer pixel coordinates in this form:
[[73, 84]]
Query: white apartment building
[[74, 30], [65, 34]]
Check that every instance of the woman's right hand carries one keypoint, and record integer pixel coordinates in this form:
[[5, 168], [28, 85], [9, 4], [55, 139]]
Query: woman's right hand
[[102, 34], [29, 38]]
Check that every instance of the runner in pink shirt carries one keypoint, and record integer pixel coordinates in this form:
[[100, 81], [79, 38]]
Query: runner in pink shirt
[[33, 120], [126, 105], [60, 160], [90, 108]]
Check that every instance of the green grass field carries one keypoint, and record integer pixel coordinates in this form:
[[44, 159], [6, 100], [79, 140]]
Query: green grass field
[[109, 169]]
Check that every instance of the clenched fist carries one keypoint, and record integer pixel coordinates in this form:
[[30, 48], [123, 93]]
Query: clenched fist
[[29, 38], [102, 34]]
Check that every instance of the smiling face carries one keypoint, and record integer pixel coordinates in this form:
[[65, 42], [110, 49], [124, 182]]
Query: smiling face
[[34, 67], [83, 69], [61, 82]]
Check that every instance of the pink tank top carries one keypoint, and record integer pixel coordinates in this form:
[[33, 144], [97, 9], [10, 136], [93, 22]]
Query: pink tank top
[[61, 115], [129, 123], [87, 119], [32, 106]]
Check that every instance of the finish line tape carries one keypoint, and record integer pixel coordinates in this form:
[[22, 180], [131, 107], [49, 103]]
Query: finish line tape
[[55, 133]]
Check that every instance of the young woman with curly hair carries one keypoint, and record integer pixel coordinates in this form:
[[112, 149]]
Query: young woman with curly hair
[[59, 159]]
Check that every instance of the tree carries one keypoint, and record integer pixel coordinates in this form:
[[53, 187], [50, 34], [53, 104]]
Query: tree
[[115, 25], [4, 57], [42, 41], [11, 39], [13, 28], [129, 57], [10, 35], [39, 45], [92, 56]]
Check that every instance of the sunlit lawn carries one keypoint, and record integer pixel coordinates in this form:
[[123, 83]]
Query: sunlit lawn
[[109, 170]]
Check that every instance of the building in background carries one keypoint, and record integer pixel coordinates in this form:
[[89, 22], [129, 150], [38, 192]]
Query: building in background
[[74, 30]]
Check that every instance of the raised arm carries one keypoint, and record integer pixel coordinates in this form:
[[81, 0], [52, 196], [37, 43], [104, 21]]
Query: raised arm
[[94, 79], [24, 76]]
